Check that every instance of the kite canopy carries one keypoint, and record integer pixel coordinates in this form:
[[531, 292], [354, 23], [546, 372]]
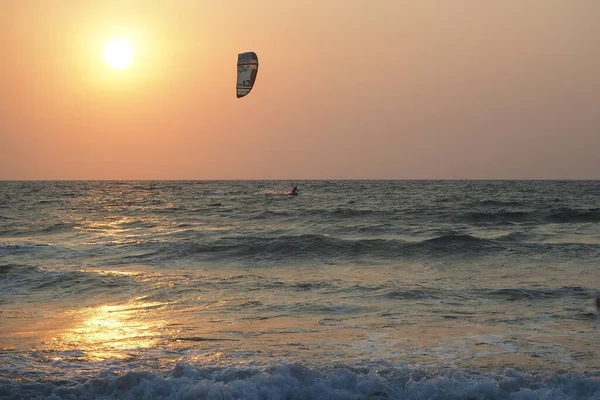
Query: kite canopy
[[247, 68]]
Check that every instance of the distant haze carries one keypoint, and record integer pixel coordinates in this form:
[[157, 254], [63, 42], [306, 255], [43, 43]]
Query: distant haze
[[346, 89]]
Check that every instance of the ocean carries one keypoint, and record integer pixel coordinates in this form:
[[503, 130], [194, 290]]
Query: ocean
[[350, 290]]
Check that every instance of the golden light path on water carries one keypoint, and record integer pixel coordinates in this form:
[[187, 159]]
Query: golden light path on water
[[108, 331], [203, 327]]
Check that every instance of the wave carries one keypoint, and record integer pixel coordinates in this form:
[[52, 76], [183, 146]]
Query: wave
[[45, 201], [513, 294], [412, 294], [304, 247], [497, 203], [49, 284], [335, 214], [295, 381], [504, 294], [193, 245], [456, 240], [56, 228], [12, 249], [137, 224], [20, 231], [569, 215], [499, 216], [560, 215]]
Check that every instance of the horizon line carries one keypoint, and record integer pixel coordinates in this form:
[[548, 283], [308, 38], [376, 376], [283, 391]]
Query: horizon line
[[306, 180]]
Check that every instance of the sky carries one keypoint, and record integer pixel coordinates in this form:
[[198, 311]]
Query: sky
[[346, 89]]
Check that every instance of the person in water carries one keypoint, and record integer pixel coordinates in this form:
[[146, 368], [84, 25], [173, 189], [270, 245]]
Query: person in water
[[294, 189]]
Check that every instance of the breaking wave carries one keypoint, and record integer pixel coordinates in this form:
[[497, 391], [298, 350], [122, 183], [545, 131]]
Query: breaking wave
[[294, 381]]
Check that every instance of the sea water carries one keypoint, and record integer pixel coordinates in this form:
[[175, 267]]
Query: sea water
[[351, 290]]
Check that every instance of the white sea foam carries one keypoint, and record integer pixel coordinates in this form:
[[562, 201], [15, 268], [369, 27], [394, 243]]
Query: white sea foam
[[295, 381]]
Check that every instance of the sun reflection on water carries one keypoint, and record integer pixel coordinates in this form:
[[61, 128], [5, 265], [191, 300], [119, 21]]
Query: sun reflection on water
[[110, 331]]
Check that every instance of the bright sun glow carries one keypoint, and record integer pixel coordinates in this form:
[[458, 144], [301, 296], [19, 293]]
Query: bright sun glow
[[118, 53]]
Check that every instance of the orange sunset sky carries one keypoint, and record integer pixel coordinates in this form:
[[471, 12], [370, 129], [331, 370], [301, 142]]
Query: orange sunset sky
[[346, 89]]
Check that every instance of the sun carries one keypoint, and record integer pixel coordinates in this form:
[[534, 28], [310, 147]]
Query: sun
[[118, 53]]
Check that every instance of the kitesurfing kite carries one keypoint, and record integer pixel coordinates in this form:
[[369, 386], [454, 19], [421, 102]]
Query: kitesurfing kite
[[247, 68]]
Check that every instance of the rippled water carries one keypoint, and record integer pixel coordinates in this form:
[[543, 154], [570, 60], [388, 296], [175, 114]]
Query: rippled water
[[353, 289]]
